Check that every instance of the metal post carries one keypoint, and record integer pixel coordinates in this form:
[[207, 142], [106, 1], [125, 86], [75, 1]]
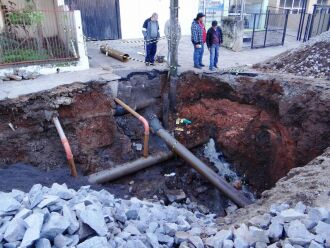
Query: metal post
[[174, 13], [267, 19], [312, 23], [301, 20], [254, 27], [318, 25], [285, 25], [328, 27], [307, 27], [174, 39]]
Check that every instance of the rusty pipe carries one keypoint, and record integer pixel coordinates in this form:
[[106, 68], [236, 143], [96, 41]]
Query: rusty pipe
[[233, 194], [144, 122], [66, 146], [129, 168], [134, 166], [108, 51]]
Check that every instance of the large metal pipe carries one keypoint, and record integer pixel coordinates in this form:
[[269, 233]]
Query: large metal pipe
[[108, 51], [233, 194], [144, 122], [129, 168], [66, 146]]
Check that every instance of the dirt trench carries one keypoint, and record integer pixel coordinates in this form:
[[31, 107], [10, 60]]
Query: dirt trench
[[264, 124]]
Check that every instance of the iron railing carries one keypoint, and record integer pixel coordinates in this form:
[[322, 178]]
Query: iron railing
[[32, 36], [266, 29]]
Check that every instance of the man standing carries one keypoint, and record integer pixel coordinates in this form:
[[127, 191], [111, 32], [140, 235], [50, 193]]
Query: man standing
[[198, 38], [214, 40], [151, 35]]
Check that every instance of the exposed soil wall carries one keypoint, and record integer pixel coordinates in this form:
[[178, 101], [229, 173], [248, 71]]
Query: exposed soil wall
[[264, 125]]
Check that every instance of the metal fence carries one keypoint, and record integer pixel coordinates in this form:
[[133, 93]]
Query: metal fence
[[266, 29], [314, 24], [36, 36]]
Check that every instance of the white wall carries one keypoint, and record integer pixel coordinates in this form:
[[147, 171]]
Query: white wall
[[134, 13]]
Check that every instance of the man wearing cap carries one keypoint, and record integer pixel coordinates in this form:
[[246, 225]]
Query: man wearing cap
[[198, 38], [151, 35], [213, 41]]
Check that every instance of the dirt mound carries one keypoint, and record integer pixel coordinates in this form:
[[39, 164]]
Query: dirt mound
[[310, 59]]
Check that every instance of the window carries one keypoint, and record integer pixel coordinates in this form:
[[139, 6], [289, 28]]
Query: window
[[294, 6], [321, 2]]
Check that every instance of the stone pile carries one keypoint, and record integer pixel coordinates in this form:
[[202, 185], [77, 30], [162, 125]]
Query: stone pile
[[311, 59], [19, 75], [62, 217]]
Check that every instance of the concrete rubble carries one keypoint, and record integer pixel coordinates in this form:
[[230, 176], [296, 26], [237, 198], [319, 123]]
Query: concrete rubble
[[62, 217]]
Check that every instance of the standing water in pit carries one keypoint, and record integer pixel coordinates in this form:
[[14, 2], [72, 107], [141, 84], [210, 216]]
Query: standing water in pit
[[224, 168]]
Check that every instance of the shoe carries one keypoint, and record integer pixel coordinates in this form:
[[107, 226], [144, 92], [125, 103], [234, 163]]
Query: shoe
[[201, 65], [152, 64], [147, 63], [216, 67], [197, 67], [212, 69]]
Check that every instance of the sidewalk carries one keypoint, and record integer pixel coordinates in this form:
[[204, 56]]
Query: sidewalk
[[228, 58], [107, 68]]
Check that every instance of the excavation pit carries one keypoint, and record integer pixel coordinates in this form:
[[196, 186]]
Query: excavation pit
[[263, 124]]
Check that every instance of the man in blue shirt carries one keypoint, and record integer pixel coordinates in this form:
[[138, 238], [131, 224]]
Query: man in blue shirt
[[214, 39]]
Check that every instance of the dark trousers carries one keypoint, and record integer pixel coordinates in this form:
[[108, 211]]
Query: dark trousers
[[151, 49]]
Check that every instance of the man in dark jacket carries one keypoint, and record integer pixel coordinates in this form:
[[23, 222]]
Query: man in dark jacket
[[198, 38], [214, 40], [151, 35]]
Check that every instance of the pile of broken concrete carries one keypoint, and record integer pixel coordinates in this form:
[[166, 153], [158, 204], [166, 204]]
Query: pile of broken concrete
[[62, 217], [311, 59], [19, 75]]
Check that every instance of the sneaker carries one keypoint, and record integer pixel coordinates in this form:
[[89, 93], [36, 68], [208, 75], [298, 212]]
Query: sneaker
[[201, 65], [152, 64], [216, 67], [197, 67], [212, 69], [147, 63]]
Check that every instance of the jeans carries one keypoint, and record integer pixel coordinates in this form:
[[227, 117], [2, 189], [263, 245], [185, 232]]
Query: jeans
[[198, 55], [151, 49], [214, 56]]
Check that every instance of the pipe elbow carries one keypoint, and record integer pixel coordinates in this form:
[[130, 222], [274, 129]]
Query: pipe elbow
[[145, 124]]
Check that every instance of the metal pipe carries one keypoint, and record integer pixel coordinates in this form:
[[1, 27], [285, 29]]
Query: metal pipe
[[129, 168], [123, 57], [233, 194], [140, 105], [144, 122], [66, 146]]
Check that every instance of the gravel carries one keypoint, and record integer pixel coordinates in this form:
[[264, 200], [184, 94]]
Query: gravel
[[311, 59], [62, 217]]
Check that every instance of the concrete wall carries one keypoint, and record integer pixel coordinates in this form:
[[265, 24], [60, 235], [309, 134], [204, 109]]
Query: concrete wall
[[133, 14]]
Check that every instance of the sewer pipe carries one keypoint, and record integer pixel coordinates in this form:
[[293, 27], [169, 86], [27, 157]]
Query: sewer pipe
[[108, 51], [129, 168], [66, 146], [228, 190], [144, 122]]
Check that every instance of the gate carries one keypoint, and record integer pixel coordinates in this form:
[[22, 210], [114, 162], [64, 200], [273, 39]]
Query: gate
[[269, 29], [100, 19], [318, 22]]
